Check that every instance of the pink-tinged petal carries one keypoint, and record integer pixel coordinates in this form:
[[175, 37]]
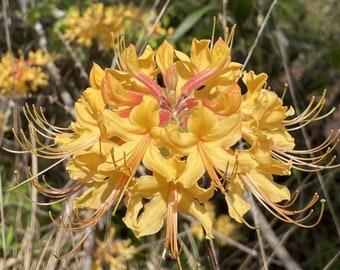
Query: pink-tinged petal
[[129, 61], [164, 117], [115, 95], [198, 80], [152, 86], [218, 60]]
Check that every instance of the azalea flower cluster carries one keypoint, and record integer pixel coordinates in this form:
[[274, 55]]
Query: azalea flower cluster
[[97, 23], [113, 252], [165, 131], [19, 76]]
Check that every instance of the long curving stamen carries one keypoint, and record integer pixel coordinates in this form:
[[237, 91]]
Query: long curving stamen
[[37, 175], [310, 114], [280, 211], [56, 193], [38, 119], [80, 223]]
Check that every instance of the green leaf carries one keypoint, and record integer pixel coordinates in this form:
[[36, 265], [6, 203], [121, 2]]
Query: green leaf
[[190, 21]]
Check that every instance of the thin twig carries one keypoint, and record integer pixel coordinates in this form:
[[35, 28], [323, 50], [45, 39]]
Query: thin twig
[[258, 221], [259, 34], [212, 254], [3, 237], [332, 261], [160, 15], [7, 23]]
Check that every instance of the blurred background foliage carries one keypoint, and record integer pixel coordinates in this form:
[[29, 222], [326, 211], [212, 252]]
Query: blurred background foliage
[[305, 34]]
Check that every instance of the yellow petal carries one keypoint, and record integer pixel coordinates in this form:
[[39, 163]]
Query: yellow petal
[[154, 161], [193, 171], [200, 54], [176, 140], [201, 121], [204, 124], [271, 190], [95, 196], [152, 218], [145, 115], [165, 56], [237, 206], [147, 63], [129, 60], [94, 100], [220, 55], [147, 186], [96, 76], [191, 207], [112, 125]]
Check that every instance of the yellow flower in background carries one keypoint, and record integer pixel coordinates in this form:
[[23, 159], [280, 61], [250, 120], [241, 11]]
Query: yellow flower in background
[[97, 23], [19, 76], [180, 117], [113, 252]]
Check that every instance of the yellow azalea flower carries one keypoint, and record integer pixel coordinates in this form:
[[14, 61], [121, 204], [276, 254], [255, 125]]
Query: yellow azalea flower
[[19, 76], [266, 124], [166, 198], [113, 251], [97, 23], [263, 114], [180, 117]]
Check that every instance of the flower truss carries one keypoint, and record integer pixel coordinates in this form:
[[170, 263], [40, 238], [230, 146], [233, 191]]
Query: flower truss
[[113, 252], [19, 76], [183, 118], [97, 23]]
